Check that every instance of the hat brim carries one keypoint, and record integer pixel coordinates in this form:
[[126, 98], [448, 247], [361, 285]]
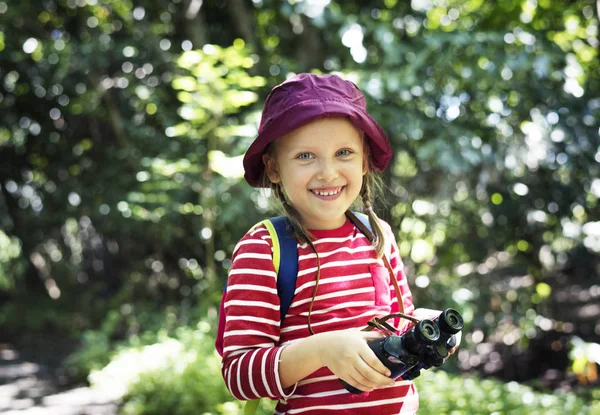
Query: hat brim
[[304, 112]]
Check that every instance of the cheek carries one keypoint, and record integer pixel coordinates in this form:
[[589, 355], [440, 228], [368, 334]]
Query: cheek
[[297, 175], [355, 170], [293, 182], [355, 178]]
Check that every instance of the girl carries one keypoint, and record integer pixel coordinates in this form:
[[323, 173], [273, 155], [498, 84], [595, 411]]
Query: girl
[[317, 150]]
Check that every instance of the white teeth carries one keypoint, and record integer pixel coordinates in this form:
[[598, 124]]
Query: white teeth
[[330, 193]]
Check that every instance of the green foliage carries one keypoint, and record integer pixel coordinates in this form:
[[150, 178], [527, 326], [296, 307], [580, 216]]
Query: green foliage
[[10, 252], [175, 375], [440, 393], [101, 163], [94, 353], [117, 333], [123, 126]]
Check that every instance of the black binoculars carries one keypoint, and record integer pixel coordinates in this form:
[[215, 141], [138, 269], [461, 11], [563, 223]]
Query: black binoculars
[[425, 345]]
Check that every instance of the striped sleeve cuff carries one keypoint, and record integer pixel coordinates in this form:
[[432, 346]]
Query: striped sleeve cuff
[[282, 393]]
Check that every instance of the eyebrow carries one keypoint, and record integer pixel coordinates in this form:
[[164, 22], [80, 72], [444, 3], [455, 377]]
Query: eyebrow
[[312, 147]]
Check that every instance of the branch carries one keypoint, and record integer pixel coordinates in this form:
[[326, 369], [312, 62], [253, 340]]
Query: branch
[[243, 20], [193, 9], [194, 23]]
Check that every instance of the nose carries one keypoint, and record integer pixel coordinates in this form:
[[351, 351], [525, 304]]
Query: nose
[[327, 171]]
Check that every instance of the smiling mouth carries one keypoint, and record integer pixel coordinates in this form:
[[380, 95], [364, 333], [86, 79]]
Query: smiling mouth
[[330, 192]]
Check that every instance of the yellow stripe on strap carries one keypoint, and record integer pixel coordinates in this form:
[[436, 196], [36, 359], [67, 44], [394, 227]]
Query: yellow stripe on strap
[[275, 241]]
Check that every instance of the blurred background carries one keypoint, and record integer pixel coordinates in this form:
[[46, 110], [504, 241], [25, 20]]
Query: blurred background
[[122, 127]]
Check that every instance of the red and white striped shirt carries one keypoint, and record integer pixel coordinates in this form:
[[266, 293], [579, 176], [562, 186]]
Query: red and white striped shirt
[[354, 286]]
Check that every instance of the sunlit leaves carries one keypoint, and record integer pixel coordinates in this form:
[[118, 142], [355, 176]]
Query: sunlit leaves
[[178, 130], [240, 98], [186, 83], [470, 395], [405, 165], [543, 289], [217, 75], [10, 250], [229, 167], [217, 85]]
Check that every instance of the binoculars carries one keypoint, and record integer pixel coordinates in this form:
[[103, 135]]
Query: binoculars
[[425, 345]]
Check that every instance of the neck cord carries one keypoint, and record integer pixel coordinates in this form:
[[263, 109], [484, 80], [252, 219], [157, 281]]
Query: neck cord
[[376, 322]]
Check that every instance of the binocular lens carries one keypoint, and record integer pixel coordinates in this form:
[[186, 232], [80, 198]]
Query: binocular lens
[[429, 331], [441, 351], [451, 321]]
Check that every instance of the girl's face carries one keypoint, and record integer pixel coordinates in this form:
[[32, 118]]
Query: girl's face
[[321, 167]]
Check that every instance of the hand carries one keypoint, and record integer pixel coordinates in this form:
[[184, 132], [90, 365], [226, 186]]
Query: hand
[[426, 313], [348, 356], [458, 337]]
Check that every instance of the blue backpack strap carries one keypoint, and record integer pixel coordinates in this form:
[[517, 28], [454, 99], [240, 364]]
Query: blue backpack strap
[[364, 220], [288, 263], [285, 262]]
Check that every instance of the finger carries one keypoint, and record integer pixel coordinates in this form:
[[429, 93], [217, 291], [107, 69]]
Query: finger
[[364, 375], [458, 337], [351, 380], [373, 362], [371, 375]]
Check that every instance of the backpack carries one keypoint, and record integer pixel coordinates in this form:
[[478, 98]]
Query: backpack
[[285, 261]]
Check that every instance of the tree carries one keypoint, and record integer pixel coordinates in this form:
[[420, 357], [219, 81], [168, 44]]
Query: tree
[[120, 123]]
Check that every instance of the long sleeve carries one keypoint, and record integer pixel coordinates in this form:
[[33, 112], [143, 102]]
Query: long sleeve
[[250, 354]]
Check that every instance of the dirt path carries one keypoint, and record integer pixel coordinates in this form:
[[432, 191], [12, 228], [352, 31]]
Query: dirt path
[[28, 388]]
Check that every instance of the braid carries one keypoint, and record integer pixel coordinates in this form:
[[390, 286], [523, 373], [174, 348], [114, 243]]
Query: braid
[[303, 235], [300, 232], [365, 194]]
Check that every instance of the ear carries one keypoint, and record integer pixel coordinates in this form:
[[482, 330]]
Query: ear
[[271, 168], [366, 155]]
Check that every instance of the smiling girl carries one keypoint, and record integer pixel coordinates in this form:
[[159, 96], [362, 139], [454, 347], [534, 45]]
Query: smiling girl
[[318, 150]]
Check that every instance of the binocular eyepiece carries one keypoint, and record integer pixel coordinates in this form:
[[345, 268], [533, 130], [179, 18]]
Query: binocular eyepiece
[[425, 345], [450, 322]]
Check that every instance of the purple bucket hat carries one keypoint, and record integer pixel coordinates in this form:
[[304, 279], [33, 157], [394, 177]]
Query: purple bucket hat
[[304, 98]]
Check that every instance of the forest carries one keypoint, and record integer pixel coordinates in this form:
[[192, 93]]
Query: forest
[[122, 130]]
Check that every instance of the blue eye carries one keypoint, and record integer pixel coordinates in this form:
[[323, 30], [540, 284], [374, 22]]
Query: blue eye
[[304, 156], [344, 152]]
